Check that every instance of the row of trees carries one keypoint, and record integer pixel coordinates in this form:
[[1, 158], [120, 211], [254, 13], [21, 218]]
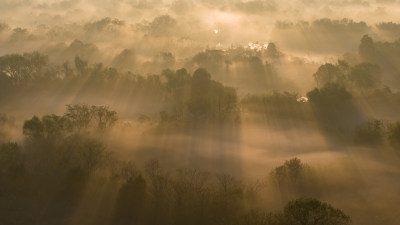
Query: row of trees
[[27, 68], [278, 106], [376, 132], [331, 105], [151, 196], [335, 110], [20, 69], [72, 140], [34, 70], [63, 161], [193, 97], [189, 96], [77, 118]]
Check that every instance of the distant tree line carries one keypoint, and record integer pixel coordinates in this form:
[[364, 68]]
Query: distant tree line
[[196, 97], [185, 97]]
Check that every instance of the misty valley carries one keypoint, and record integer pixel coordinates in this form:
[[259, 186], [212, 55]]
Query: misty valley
[[199, 112]]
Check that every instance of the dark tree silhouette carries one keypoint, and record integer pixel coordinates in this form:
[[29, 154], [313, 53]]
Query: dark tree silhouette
[[394, 134], [329, 95], [365, 76], [366, 50], [309, 211]]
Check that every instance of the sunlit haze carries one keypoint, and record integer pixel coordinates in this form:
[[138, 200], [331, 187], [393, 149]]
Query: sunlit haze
[[201, 112]]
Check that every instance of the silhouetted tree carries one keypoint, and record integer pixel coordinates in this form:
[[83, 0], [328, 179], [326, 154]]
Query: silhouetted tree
[[329, 73], [33, 128], [160, 193], [310, 211], [331, 94], [272, 52], [83, 116], [80, 115], [91, 156], [130, 204], [210, 100], [394, 134], [23, 68], [125, 60], [211, 60], [366, 50], [365, 76], [190, 197], [292, 178], [11, 158], [81, 66], [104, 117], [371, 133], [228, 199]]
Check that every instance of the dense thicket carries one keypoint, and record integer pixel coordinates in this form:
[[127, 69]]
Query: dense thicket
[[63, 173]]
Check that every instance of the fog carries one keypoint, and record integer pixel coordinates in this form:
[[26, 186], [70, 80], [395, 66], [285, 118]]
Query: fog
[[199, 112]]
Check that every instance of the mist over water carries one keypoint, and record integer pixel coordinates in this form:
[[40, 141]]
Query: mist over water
[[199, 112]]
